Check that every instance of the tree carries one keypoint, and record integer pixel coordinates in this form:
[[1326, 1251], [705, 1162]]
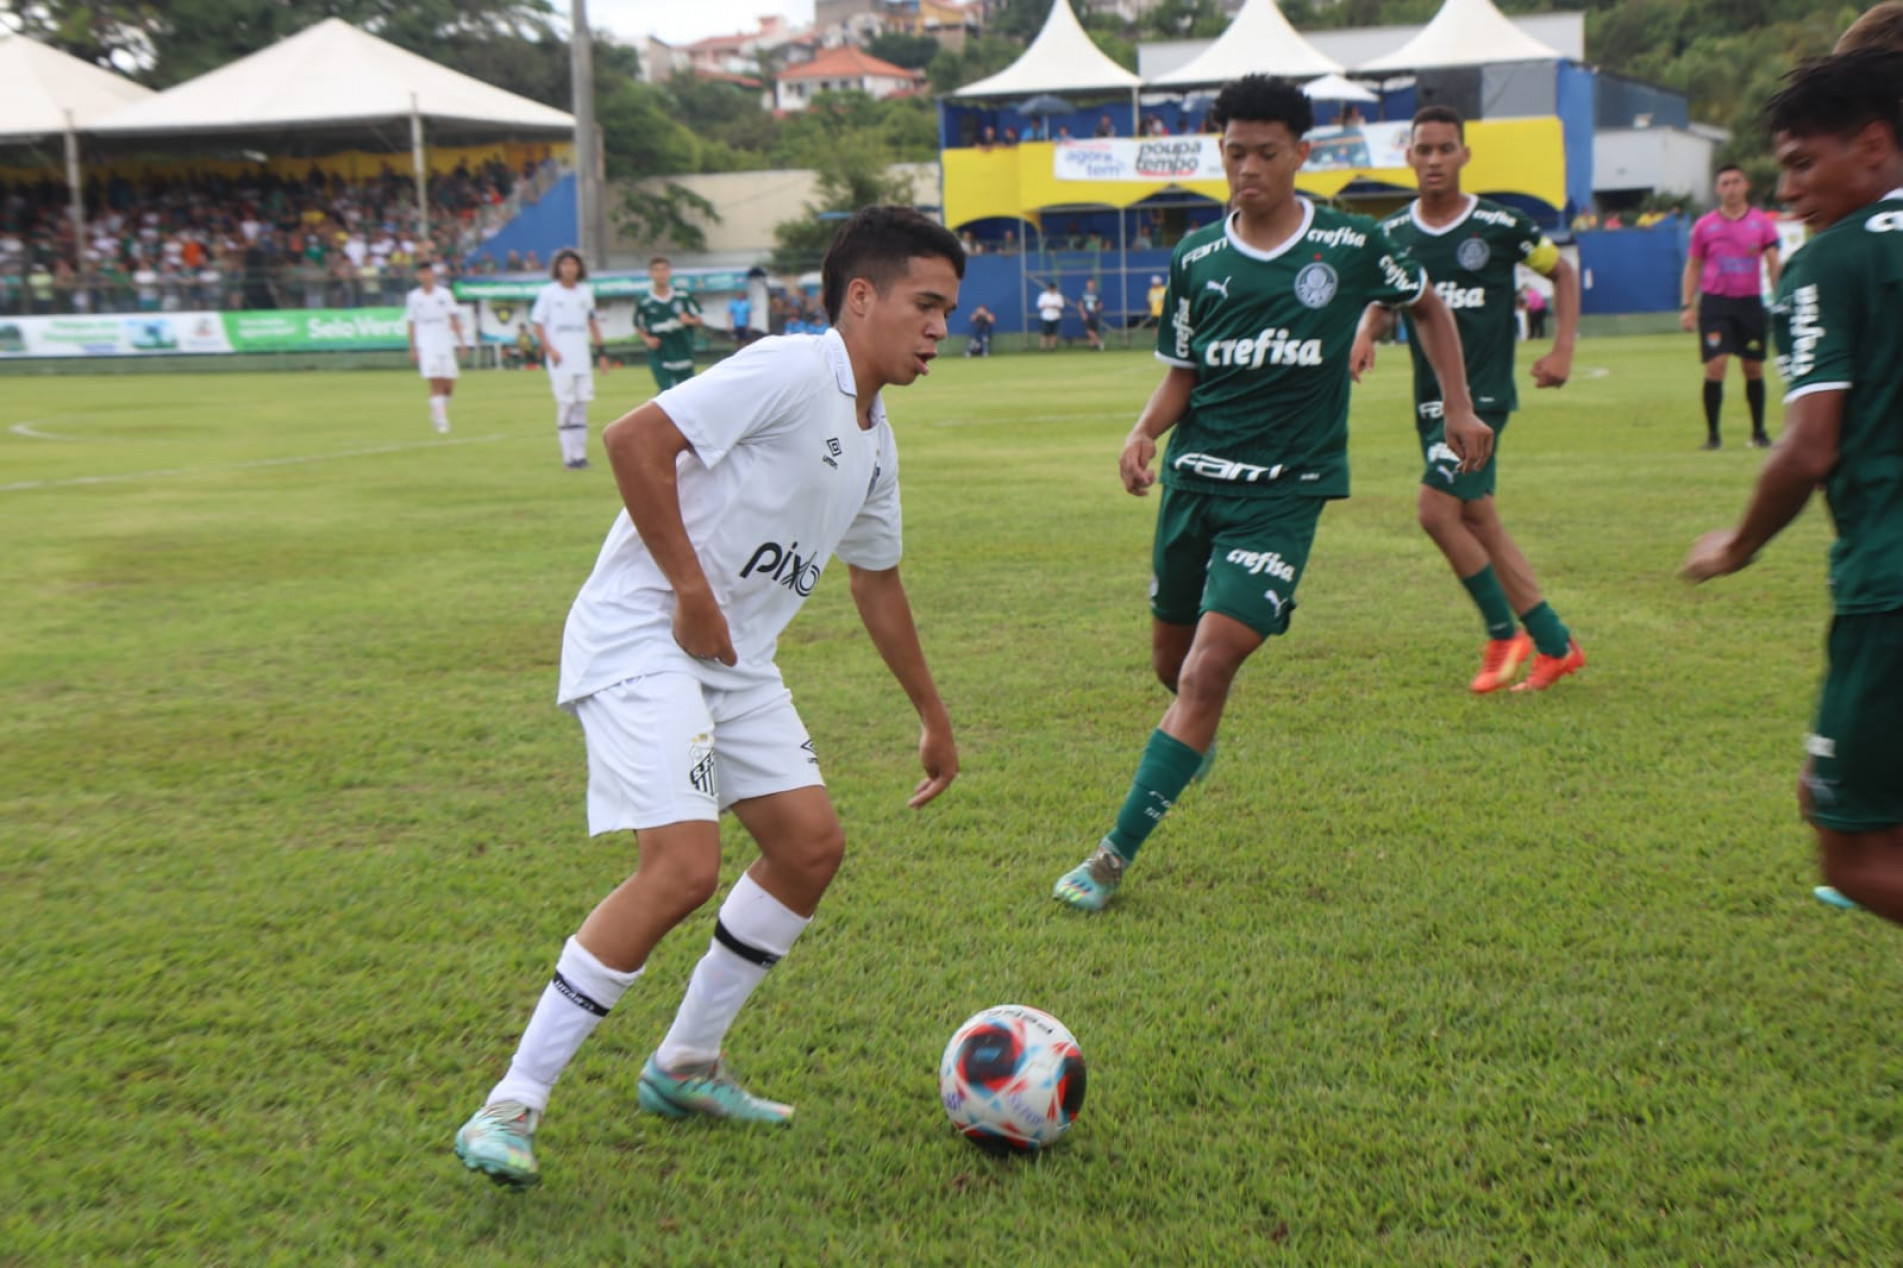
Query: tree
[[855, 173], [914, 52], [668, 212], [640, 137]]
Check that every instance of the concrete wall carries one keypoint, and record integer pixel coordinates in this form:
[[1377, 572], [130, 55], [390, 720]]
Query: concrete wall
[[752, 203]]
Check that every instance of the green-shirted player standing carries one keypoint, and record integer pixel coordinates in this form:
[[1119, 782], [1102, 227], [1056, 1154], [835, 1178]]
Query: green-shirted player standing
[[1835, 128], [1257, 325], [1471, 249], [666, 320]]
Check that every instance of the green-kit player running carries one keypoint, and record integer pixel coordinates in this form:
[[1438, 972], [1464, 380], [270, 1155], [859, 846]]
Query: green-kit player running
[[1258, 319], [1471, 249], [1835, 129], [666, 320]]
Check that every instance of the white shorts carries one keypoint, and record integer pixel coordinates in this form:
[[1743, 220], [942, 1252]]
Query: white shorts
[[437, 364], [572, 387], [663, 748]]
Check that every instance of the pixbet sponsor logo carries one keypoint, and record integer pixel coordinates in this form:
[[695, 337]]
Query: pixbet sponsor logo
[[785, 565], [1271, 347], [1258, 562]]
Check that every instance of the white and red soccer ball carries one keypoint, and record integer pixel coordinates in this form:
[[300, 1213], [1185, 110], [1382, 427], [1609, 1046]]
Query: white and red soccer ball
[[1012, 1079]]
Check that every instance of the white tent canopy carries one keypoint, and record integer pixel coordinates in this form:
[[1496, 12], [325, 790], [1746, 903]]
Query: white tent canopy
[[1464, 33], [332, 76], [1337, 88], [40, 85], [1259, 41], [1061, 59]]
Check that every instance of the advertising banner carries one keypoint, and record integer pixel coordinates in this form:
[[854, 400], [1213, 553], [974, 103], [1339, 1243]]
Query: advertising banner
[[321, 330], [1182, 159], [113, 335], [607, 285]]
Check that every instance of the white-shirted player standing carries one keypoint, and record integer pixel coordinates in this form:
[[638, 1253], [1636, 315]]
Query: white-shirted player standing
[[741, 486], [436, 340], [564, 321]]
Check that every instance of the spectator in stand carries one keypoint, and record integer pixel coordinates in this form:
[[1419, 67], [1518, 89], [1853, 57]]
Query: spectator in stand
[[145, 285], [739, 315], [983, 321], [1105, 127]]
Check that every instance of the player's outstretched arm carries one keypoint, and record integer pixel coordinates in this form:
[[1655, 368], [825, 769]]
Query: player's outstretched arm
[[1376, 321], [887, 613], [1805, 454], [642, 447], [1466, 435], [1165, 409], [1553, 369]]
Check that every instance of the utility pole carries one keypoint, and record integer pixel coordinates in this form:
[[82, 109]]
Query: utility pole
[[581, 60]]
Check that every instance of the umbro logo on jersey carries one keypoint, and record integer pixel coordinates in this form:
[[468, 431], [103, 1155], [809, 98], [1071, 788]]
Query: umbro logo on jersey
[[784, 564], [1221, 288], [832, 451]]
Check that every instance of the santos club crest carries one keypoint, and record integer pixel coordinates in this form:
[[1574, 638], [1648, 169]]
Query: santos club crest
[[1315, 285], [1474, 254]]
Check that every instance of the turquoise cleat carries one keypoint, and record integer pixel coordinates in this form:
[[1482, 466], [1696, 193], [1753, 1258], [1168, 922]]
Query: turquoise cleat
[[707, 1089], [1825, 894], [1093, 883], [499, 1141]]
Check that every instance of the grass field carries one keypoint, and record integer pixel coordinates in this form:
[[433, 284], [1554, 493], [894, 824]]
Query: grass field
[[293, 832]]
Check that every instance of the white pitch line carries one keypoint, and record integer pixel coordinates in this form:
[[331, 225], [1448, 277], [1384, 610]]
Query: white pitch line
[[244, 466]]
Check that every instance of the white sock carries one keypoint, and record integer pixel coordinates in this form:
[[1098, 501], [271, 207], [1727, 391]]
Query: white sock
[[572, 1005], [563, 436], [753, 930], [438, 410], [577, 433]]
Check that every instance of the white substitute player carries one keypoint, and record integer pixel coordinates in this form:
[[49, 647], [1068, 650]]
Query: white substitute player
[[436, 340], [741, 486], [564, 321]]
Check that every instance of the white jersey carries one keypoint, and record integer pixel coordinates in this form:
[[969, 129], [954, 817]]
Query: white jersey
[[781, 479], [563, 313], [430, 311]]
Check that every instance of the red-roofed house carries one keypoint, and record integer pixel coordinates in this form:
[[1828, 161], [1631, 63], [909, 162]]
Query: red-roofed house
[[843, 70]]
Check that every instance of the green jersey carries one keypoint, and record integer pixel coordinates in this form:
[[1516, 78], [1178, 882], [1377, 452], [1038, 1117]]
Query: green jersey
[[1471, 263], [1836, 321], [1268, 334], [662, 319]]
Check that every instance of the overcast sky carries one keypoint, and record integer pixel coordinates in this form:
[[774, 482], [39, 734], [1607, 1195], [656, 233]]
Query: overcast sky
[[684, 22]]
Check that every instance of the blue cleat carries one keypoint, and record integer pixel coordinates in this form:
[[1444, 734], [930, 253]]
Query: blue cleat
[[1093, 883], [707, 1089], [1830, 897], [499, 1141]]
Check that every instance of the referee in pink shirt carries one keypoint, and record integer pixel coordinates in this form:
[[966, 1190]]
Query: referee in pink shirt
[[1726, 307]]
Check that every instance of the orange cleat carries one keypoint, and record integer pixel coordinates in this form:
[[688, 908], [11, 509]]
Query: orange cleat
[[1548, 670], [1500, 663]]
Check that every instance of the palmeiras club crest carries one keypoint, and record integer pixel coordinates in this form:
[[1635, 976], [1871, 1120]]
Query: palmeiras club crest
[[1474, 254], [1315, 285]]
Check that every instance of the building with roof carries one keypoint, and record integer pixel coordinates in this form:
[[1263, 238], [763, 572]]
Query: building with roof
[[845, 69]]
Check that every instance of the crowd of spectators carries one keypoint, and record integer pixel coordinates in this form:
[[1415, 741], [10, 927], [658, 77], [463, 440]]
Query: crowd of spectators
[[261, 240]]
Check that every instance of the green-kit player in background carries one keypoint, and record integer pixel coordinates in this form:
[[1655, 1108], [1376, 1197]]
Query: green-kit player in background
[[1471, 249], [1838, 321], [666, 320], [1258, 319]]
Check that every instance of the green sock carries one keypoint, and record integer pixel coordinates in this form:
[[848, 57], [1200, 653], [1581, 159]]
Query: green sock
[[1492, 602], [1549, 635], [1164, 772]]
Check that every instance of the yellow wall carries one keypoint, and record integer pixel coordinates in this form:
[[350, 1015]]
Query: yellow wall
[[1510, 156], [355, 165]]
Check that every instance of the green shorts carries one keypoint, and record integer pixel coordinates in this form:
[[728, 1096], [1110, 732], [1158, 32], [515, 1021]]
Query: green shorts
[[1856, 768], [665, 378], [1443, 473], [1242, 557]]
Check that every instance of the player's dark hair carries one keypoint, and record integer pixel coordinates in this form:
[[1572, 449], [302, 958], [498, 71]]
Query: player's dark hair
[[879, 244], [1841, 95], [1729, 167], [568, 253], [1263, 99], [1439, 114], [659, 259], [1879, 27], [426, 264]]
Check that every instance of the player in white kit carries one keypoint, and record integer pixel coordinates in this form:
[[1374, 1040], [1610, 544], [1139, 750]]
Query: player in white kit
[[436, 340], [741, 486], [564, 321]]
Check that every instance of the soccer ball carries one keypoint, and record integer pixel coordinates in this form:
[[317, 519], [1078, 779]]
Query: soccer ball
[[1012, 1079]]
